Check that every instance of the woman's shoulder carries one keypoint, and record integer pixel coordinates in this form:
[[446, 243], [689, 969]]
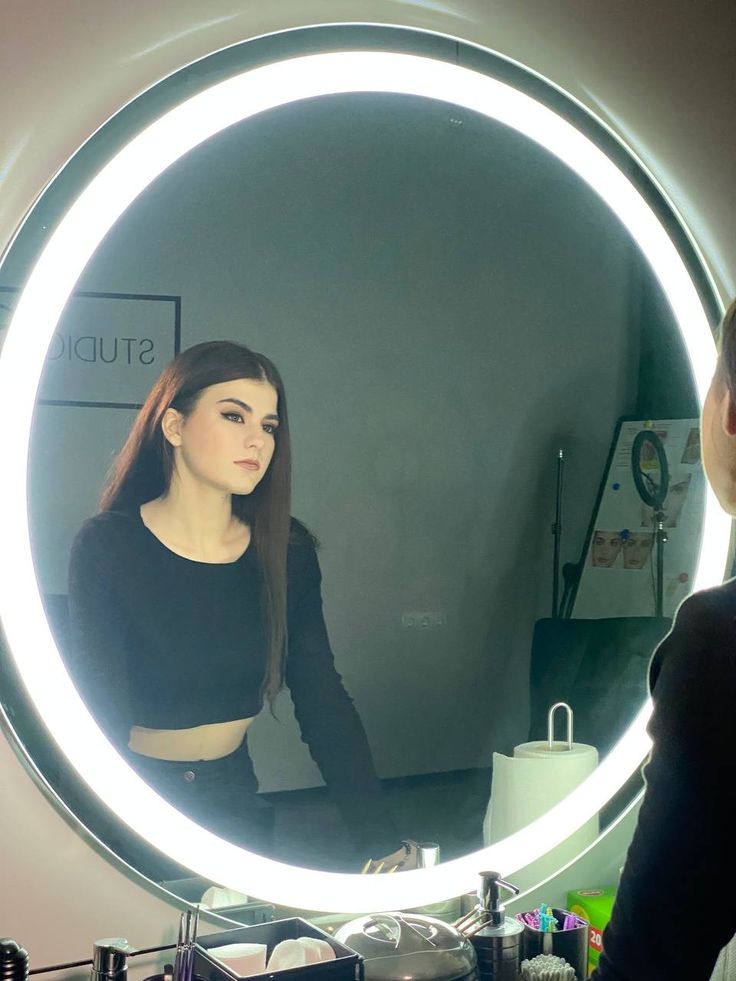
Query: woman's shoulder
[[711, 609], [302, 562], [105, 530], [300, 536], [703, 636]]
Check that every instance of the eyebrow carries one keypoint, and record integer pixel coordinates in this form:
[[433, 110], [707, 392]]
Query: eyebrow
[[248, 408]]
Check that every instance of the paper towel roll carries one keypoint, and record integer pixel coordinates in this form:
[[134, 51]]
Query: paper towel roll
[[216, 897], [526, 785]]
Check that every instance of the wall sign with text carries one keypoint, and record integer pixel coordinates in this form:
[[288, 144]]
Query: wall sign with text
[[108, 348]]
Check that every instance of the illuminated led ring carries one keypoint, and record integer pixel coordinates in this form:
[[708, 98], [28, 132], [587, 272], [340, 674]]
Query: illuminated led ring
[[37, 313]]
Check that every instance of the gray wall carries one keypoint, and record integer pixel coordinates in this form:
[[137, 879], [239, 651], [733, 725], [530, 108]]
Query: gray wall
[[448, 307]]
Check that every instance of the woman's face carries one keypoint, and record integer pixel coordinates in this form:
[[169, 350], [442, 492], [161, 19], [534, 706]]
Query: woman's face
[[606, 546], [637, 549], [228, 440], [676, 497]]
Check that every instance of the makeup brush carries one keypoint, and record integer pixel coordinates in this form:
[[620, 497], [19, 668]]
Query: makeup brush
[[191, 941], [184, 961], [179, 950]]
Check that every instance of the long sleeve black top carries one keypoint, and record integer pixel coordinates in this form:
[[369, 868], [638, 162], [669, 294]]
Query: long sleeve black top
[[161, 641], [674, 907]]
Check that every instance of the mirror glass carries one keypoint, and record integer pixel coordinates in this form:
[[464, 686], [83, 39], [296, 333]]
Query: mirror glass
[[449, 308]]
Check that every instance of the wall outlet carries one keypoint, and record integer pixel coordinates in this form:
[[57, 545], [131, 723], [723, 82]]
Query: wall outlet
[[423, 619]]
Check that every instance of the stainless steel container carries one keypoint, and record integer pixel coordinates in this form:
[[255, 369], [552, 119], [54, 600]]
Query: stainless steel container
[[410, 947], [110, 959]]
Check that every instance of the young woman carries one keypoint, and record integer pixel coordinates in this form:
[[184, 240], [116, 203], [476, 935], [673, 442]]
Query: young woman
[[193, 597], [674, 908]]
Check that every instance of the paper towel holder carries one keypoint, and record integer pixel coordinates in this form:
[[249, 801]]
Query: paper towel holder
[[551, 724]]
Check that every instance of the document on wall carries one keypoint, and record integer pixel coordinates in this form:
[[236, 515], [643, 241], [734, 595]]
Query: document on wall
[[618, 577]]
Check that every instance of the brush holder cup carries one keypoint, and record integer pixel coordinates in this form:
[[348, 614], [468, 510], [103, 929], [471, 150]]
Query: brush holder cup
[[572, 944]]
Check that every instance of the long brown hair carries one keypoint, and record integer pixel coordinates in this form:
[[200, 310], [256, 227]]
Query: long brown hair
[[142, 470]]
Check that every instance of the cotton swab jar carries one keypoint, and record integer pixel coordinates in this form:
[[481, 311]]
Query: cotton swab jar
[[547, 967]]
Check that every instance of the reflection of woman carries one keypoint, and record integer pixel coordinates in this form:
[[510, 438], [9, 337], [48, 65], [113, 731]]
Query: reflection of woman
[[691, 453], [681, 864], [637, 549], [187, 590], [673, 504], [606, 546]]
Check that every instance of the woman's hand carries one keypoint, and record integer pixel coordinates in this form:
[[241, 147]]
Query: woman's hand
[[404, 858]]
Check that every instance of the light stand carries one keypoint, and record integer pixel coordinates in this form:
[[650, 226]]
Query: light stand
[[653, 493], [557, 533]]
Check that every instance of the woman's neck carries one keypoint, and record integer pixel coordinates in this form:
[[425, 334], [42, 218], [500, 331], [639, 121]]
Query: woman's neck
[[195, 520]]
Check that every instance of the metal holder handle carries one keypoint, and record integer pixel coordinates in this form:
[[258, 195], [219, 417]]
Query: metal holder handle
[[68, 965], [551, 724], [428, 854]]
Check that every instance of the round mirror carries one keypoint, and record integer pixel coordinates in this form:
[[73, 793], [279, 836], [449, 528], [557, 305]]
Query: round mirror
[[458, 274]]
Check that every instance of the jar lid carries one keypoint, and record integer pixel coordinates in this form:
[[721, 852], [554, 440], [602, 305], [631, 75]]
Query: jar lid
[[13, 961], [409, 947]]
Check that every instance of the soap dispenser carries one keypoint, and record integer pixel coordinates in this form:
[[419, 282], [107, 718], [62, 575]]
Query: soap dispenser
[[495, 936], [110, 959]]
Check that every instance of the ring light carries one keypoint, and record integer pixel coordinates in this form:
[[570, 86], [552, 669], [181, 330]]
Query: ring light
[[40, 305], [652, 492]]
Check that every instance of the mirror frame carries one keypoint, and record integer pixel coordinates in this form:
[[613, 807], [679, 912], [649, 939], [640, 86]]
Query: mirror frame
[[573, 136]]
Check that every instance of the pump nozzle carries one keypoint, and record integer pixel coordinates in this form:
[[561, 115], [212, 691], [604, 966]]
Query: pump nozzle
[[488, 911], [489, 896]]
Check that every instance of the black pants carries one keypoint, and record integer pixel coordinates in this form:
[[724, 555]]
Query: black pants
[[221, 795]]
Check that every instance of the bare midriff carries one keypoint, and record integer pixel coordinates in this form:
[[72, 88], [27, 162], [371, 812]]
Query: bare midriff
[[208, 742]]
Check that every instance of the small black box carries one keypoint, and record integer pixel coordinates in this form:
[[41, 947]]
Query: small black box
[[347, 966]]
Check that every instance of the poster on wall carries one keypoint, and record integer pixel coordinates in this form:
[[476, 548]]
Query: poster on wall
[[107, 349], [618, 577]]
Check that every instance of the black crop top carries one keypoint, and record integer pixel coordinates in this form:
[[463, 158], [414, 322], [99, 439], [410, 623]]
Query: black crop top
[[165, 642]]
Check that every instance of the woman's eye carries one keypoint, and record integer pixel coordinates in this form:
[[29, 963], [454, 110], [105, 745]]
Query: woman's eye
[[268, 427], [232, 416]]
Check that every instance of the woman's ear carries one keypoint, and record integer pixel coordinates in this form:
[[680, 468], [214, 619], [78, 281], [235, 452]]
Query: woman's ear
[[728, 411], [171, 424]]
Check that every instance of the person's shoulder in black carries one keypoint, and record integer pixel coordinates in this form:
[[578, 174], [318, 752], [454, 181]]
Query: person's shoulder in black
[[709, 612], [682, 849], [102, 558], [301, 536], [303, 574], [106, 528]]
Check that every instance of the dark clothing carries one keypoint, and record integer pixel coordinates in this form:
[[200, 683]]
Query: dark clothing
[[221, 795], [161, 641], [673, 911], [165, 642]]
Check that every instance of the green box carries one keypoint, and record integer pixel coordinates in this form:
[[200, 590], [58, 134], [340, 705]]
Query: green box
[[593, 905]]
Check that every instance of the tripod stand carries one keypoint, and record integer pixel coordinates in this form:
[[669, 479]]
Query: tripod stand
[[652, 480]]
